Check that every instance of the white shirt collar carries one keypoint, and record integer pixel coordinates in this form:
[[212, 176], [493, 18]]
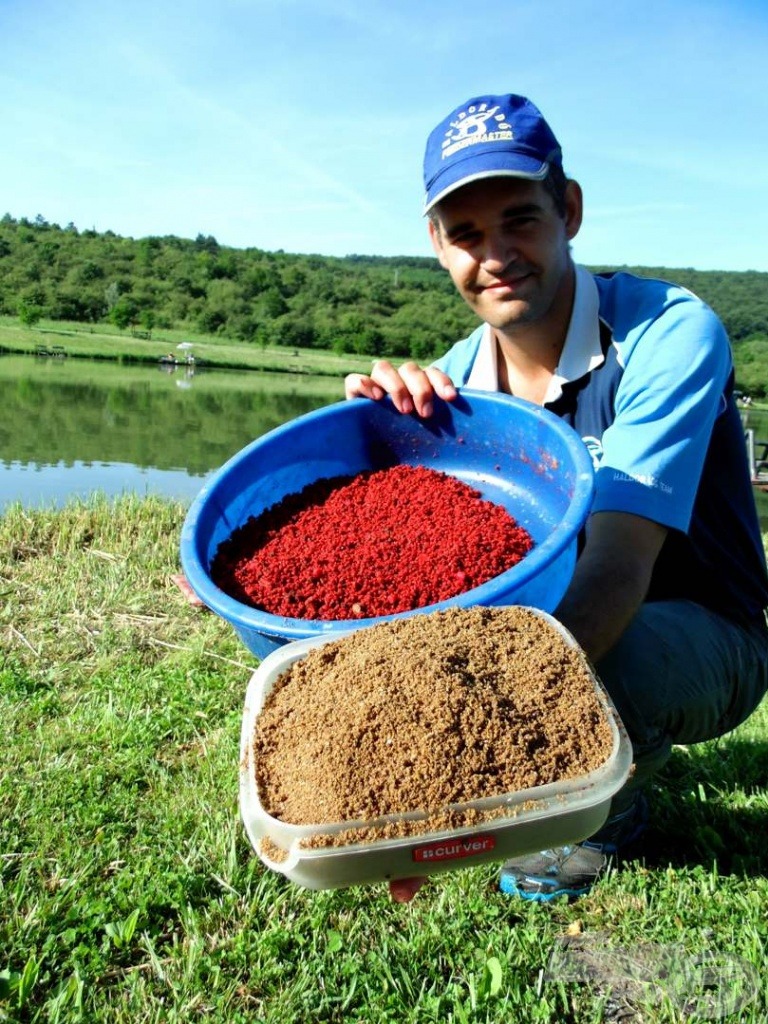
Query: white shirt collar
[[484, 374], [582, 351]]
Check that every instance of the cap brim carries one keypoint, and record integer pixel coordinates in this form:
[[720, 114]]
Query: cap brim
[[493, 165]]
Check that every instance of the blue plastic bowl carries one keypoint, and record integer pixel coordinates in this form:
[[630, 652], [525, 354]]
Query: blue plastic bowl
[[516, 454]]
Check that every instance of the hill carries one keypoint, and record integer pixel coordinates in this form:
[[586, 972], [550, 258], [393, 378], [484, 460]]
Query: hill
[[369, 305]]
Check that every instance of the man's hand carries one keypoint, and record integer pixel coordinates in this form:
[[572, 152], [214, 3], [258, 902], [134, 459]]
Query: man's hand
[[411, 387], [404, 889], [611, 579]]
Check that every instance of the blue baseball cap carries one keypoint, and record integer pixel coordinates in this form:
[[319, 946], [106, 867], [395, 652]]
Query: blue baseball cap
[[488, 137]]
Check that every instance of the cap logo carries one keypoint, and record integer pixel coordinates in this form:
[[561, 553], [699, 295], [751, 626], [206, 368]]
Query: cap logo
[[472, 127]]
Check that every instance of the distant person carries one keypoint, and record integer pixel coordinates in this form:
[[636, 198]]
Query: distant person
[[669, 593]]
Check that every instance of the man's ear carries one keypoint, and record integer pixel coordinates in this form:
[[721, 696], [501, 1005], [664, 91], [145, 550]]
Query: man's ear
[[574, 208], [437, 242]]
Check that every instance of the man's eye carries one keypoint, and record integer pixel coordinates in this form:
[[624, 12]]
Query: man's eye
[[467, 238]]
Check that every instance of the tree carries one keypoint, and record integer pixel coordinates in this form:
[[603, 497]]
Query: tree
[[273, 304], [30, 313], [111, 295], [147, 320], [124, 313], [207, 243], [212, 320], [293, 331]]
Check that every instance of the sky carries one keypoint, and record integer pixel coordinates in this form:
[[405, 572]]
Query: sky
[[300, 124]]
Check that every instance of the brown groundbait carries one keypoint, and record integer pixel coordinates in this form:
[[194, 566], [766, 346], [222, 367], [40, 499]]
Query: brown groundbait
[[424, 712]]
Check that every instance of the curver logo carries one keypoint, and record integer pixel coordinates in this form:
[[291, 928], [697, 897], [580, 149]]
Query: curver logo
[[451, 849]]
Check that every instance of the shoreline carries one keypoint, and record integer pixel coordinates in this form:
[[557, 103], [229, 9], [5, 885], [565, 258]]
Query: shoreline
[[46, 342], [202, 364]]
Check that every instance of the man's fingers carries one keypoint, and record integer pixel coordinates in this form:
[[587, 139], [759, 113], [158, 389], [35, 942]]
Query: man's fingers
[[358, 385], [442, 383], [419, 388], [410, 387], [384, 374], [424, 384]]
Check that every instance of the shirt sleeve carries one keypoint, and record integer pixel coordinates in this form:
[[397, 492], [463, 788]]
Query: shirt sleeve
[[459, 359], [669, 396]]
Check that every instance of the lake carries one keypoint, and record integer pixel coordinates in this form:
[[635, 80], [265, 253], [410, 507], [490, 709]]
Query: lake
[[69, 427]]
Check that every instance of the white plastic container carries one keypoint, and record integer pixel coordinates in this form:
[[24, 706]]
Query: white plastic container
[[533, 819]]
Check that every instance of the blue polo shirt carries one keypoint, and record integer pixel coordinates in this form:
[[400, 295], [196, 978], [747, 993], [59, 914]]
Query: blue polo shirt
[[646, 379]]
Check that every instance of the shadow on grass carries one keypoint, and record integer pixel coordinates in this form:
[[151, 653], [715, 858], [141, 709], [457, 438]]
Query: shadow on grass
[[709, 806]]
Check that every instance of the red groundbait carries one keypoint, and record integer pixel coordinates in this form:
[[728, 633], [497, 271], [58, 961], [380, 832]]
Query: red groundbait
[[382, 542]]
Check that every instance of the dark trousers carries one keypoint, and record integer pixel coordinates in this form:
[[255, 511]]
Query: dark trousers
[[682, 674]]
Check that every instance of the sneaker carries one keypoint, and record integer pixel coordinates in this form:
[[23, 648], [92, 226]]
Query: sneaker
[[572, 870], [563, 871]]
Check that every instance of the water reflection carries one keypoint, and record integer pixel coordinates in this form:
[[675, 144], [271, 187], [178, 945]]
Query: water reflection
[[69, 428], [182, 372], [38, 486]]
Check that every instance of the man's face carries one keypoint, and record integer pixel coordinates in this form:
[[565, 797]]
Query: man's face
[[506, 248]]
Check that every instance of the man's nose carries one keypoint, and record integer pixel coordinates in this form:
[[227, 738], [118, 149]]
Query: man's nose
[[500, 251]]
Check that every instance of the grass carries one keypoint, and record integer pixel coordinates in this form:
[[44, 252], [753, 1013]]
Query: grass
[[128, 892], [104, 342]]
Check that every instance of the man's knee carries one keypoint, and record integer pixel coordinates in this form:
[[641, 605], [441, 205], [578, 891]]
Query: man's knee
[[681, 674]]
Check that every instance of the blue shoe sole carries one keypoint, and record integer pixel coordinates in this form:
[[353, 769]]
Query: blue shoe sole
[[509, 886], [538, 880]]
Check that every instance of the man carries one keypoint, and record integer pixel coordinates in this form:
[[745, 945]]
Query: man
[[670, 587]]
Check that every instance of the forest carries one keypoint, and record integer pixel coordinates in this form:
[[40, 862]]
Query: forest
[[368, 305]]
